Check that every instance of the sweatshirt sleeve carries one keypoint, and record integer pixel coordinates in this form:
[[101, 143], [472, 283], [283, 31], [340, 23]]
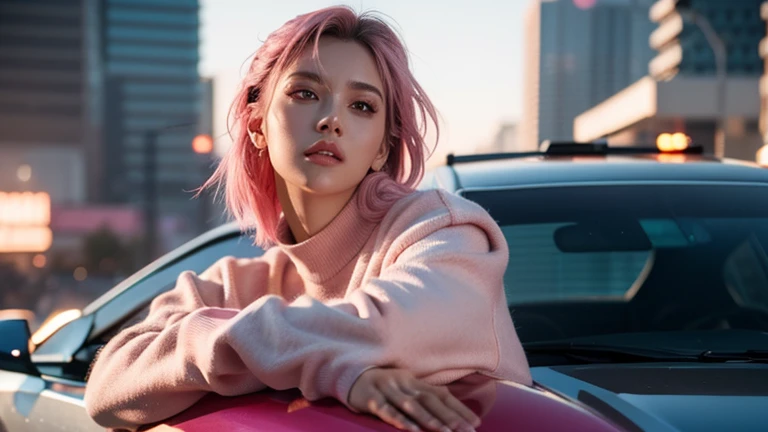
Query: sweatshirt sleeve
[[433, 310], [164, 364]]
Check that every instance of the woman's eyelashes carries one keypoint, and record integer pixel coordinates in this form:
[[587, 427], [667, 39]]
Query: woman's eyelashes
[[364, 106], [303, 95]]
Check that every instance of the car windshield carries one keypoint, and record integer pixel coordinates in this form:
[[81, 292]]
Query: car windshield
[[601, 259]]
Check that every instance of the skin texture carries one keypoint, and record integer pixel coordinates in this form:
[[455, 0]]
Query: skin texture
[[331, 107], [340, 99]]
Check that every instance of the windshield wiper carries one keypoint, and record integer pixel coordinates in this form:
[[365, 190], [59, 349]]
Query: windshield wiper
[[747, 356], [587, 353]]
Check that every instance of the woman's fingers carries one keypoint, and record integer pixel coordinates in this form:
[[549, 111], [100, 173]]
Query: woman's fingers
[[407, 401], [398, 398], [392, 415], [434, 401], [459, 407]]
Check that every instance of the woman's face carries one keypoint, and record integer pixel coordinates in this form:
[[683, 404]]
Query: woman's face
[[324, 128]]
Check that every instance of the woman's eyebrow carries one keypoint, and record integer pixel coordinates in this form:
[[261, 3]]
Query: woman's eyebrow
[[358, 85], [307, 75], [355, 85]]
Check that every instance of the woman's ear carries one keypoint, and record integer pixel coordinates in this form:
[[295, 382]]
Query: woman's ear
[[256, 133], [381, 157]]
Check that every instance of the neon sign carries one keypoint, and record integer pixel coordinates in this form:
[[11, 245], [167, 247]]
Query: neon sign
[[24, 222]]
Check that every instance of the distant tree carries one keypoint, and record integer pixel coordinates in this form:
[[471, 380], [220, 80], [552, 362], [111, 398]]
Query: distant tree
[[104, 252], [13, 284]]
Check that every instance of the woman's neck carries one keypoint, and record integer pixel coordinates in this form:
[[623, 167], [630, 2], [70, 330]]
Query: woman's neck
[[308, 213]]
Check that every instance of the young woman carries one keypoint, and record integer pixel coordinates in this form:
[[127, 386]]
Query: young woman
[[373, 294]]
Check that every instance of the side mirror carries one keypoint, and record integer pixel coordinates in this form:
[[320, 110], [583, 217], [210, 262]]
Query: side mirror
[[14, 347]]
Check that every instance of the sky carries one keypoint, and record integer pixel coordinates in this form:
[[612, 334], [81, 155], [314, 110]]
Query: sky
[[467, 55]]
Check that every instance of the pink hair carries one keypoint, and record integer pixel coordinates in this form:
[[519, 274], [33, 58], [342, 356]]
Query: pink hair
[[248, 179]]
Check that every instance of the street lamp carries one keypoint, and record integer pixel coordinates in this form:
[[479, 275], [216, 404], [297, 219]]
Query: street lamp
[[670, 14], [721, 70], [150, 185], [202, 145]]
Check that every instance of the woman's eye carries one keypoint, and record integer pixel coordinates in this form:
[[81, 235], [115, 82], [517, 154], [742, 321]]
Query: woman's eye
[[363, 106], [304, 94]]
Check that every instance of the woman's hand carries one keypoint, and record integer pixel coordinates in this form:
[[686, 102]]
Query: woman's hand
[[398, 398]]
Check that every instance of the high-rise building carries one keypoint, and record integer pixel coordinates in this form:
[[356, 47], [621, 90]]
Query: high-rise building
[[577, 57], [693, 100], [49, 98], [763, 51], [528, 131], [152, 85], [738, 24]]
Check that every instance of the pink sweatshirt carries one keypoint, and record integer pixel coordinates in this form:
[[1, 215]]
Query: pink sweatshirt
[[419, 287]]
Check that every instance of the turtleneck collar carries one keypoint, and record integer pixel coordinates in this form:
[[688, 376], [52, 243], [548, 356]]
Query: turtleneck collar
[[325, 254]]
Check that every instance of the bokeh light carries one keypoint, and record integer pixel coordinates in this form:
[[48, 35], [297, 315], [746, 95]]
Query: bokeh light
[[667, 142], [80, 274], [24, 173], [762, 156], [584, 4], [39, 261], [202, 144]]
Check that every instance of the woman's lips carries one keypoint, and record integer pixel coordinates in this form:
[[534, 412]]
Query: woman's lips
[[322, 159], [324, 153]]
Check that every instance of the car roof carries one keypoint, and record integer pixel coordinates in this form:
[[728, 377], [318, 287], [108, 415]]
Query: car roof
[[547, 170]]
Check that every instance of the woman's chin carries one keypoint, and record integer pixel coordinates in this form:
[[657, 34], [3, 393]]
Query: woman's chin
[[329, 184], [328, 191]]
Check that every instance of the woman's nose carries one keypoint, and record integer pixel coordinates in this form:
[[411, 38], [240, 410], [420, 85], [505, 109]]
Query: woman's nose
[[330, 123]]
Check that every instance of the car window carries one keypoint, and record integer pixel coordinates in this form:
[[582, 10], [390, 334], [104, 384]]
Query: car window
[[133, 304], [598, 259], [746, 274], [538, 271]]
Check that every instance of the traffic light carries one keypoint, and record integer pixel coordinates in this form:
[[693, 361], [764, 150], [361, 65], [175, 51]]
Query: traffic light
[[665, 38]]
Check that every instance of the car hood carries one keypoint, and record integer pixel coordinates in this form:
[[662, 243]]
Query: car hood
[[517, 407], [666, 396]]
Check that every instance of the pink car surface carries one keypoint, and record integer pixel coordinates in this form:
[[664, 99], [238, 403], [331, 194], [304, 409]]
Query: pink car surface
[[517, 408]]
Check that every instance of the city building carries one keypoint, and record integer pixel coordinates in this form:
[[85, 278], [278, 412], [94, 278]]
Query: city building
[[689, 102], [50, 151], [154, 102], [577, 55], [83, 85], [763, 49], [48, 104], [738, 24], [213, 210]]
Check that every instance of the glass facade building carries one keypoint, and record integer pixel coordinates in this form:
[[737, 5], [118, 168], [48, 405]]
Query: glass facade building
[[41, 70], [739, 25], [49, 110], [151, 55], [577, 58]]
